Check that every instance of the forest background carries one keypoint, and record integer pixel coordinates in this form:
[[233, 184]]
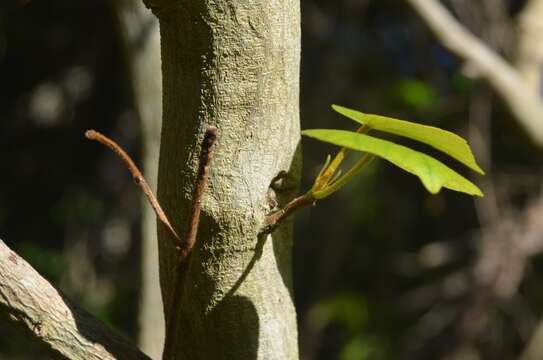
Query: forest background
[[382, 270]]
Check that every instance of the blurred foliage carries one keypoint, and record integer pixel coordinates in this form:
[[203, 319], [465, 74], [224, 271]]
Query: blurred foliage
[[77, 206], [348, 310], [62, 72], [416, 94], [51, 261], [361, 347], [350, 313]]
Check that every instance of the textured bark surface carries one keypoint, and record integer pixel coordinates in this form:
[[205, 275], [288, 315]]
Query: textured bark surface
[[51, 318], [142, 43], [233, 64]]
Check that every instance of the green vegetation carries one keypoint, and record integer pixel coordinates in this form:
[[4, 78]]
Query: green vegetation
[[433, 173]]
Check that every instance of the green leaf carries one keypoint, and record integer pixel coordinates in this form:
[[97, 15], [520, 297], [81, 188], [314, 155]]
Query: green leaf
[[445, 141], [433, 174]]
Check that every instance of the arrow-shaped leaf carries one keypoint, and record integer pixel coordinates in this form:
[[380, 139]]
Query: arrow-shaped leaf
[[445, 141], [433, 174]]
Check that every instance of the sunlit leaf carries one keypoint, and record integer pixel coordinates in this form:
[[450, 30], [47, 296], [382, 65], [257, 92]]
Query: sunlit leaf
[[433, 174], [446, 141]]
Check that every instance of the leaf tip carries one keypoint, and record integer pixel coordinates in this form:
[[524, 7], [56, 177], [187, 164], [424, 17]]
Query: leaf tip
[[340, 109], [472, 191], [434, 190], [478, 169], [479, 193]]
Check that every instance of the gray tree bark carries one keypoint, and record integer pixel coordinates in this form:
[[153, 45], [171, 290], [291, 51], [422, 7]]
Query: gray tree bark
[[141, 37], [235, 65]]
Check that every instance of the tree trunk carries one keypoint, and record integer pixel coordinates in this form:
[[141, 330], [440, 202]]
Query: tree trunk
[[233, 64], [141, 38]]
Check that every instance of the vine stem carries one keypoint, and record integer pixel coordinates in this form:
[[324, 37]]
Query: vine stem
[[183, 248], [273, 220], [210, 137], [185, 252], [139, 180]]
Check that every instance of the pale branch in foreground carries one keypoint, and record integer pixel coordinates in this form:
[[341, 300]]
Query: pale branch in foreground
[[71, 332], [502, 76]]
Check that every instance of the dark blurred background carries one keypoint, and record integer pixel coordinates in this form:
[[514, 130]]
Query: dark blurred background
[[383, 270]]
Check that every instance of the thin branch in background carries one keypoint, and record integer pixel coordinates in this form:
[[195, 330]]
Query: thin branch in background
[[469, 13], [139, 180], [529, 45], [480, 129], [505, 79], [190, 239], [500, 33]]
